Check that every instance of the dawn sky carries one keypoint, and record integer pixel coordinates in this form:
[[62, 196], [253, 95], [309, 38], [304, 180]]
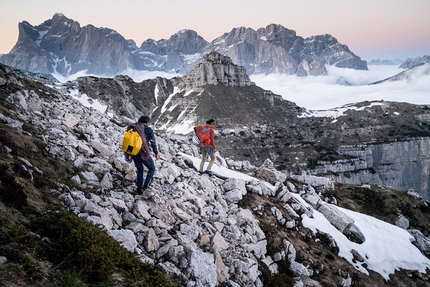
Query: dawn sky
[[384, 29]]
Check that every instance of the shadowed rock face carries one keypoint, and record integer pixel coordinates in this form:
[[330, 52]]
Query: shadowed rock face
[[61, 45]]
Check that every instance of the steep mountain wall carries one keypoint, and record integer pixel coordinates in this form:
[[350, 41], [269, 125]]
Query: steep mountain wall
[[402, 165], [62, 46]]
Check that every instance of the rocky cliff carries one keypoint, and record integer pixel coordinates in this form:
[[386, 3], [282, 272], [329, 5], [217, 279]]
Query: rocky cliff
[[410, 63], [403, 165], [275, 49], [216, 69], [60, 45]]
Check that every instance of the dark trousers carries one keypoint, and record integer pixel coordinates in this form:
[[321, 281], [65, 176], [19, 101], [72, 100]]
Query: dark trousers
[[140, 164]]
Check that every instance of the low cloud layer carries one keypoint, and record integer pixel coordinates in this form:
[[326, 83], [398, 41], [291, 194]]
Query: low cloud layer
[[323, 92]]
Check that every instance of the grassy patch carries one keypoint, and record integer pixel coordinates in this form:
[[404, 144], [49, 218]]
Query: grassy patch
[[81, 248]]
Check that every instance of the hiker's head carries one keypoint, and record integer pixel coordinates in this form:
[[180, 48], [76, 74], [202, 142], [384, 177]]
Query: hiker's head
[[144, 119], [210, 122]]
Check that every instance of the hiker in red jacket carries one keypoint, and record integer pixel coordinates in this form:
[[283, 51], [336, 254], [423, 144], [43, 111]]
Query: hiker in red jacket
[[209, 149]]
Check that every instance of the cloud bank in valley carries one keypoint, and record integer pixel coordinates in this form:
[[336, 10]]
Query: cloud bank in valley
[[324, 92]]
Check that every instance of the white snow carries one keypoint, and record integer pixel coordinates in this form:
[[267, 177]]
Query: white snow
[[190, 58], [386, 248], [41, 34], [223, 171], [175, 91], [156, 91], [336, 112], [87, 101], [185, 127]]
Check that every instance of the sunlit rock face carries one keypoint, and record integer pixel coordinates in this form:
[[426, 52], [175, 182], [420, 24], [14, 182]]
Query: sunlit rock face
[[60, 45]]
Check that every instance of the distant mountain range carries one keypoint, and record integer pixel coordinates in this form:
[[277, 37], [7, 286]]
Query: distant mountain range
[[413, 68], [379, 62], [60, 45]]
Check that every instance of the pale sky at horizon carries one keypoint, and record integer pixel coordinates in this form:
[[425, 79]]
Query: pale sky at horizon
[[372, 29]]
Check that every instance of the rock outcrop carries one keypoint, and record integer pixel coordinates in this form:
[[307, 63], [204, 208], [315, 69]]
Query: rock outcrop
[[62, 46], [216, 69], [410, 63]]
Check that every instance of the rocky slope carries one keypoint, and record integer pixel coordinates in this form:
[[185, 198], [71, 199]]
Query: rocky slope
[[375, 142], [61, 45], [206, 231]]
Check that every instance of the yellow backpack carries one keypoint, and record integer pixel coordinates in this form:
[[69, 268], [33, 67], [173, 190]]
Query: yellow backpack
[[134, 144]]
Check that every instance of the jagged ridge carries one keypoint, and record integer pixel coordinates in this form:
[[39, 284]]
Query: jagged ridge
[[60, 45]]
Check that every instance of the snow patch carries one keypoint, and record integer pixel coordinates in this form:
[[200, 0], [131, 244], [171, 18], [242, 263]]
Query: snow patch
[[336, 112]]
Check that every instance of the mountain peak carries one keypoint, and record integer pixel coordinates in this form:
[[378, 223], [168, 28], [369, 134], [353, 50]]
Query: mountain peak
[[59, 15]]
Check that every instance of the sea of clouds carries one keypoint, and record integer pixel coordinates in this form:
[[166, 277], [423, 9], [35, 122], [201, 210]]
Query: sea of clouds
[[325, 92]]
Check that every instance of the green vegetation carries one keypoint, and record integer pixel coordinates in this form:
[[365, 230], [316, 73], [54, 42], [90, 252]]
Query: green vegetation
[[82, 249], [283, 279], [64, 250]]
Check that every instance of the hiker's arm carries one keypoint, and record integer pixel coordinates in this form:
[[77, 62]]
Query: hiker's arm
[[154, 147], [151, 140], [213, 138]]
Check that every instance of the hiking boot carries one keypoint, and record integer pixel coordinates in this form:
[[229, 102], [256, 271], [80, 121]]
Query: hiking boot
[[208, 172], [140, 190]]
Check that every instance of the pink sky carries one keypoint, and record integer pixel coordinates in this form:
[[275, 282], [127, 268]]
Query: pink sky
[[372, 29]]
